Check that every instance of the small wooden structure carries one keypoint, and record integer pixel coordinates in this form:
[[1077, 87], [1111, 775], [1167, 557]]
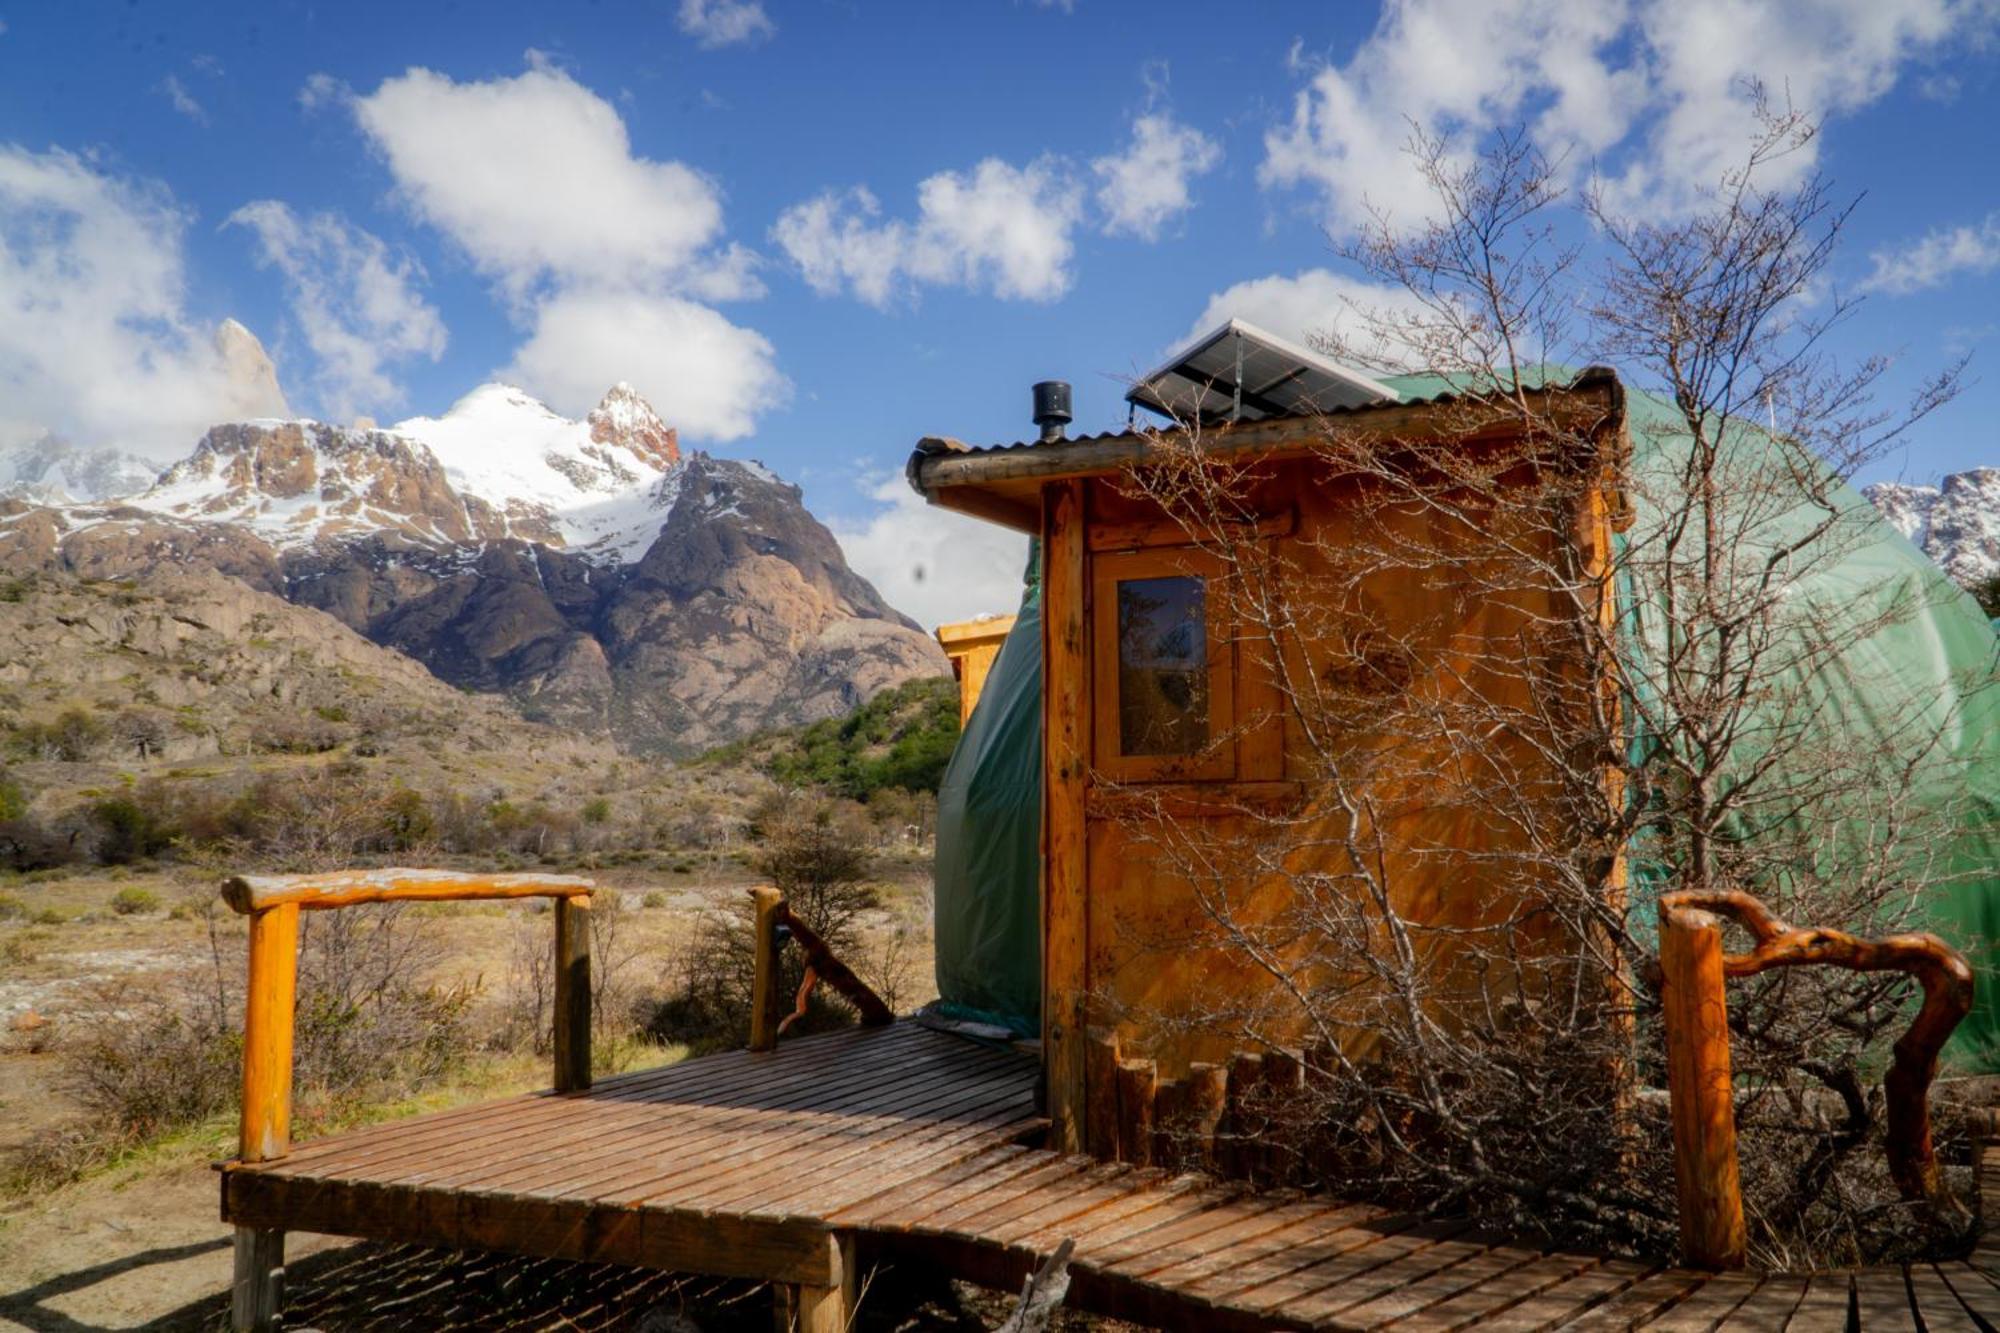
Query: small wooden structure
[[972, 645], [1158, 697]]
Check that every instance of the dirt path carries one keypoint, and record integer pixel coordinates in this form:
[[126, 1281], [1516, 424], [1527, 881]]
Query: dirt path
[[117, 1252]]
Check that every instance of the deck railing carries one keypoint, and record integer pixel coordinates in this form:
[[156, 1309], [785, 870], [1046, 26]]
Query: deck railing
[[774, 924], [273, 904], [1700, 1088]]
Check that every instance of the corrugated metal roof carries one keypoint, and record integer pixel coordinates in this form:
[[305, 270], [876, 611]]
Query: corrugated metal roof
[[932, 446]]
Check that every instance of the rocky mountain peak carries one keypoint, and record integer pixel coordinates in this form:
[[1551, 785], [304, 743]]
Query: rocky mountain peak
[[622, 418], [251, 378], [1956, 523]]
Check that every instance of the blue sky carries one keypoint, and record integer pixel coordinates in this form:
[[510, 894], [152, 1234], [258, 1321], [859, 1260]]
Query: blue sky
[[814, 232]]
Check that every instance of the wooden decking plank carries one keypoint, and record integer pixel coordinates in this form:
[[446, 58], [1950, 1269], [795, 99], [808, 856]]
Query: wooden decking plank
[[1311, 1246], [1207, 1212], [913, 1166], [1385, 1249], [1825, 1306], [881, 1209], [734, 1068], [699, 1135], [1091, 1182], [1112, 1216], [1937, 1305], [1882, 1301], [1049, 1177], [957, 1191], [545, 1120], [1112, 1180], [972, 1105], [1643, 1300], [735, 1155], [1405, 1271], [1565, 1301], [1105, 1233], [1706, 1307], [1772, 1304], [1393, 1300], [779, 1082], [1303, 1221], [1499, 1294], [844, 1091], [1978, 1295], [863, 1149], [1254, 1219]]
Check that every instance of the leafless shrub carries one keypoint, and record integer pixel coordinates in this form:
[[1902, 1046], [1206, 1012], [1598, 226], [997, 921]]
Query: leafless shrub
[[1511, 730], [817, 855]]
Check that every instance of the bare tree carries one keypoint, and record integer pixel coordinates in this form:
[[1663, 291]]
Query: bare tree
[[1535, 672]]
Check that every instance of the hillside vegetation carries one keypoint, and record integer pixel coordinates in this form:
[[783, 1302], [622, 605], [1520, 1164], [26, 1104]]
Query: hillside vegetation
[[899, 740]]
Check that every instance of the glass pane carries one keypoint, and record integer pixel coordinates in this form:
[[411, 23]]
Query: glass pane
[[1162, 666]]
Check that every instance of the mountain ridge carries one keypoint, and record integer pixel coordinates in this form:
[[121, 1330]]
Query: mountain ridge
[[588, 570]]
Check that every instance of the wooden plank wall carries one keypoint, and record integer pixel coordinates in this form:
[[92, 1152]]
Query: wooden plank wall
[[1065, 757]]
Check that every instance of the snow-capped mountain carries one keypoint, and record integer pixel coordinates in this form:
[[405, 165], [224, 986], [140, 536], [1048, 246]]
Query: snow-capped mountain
[[1956, 523], [585, 569], [498, 465], [54, 471]]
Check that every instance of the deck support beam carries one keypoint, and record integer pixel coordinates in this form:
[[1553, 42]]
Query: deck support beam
[[258, 1292], [808, 1308]]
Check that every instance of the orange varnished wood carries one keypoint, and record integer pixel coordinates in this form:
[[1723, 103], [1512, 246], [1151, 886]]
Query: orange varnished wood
[[267, 1033], [1066, 731], [1702, 1096], [253, 893]]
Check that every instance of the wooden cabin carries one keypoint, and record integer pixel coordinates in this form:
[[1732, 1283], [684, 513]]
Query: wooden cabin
[[1161, 698], [972, 645]]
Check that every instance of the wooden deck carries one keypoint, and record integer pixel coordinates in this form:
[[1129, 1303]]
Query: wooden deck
[[908, 1144]]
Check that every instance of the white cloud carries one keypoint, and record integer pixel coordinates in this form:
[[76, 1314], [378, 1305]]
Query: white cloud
[[704, 374], [322, 89], [603, 256], [535, 177], [1654, 93], [1942, 253], [355, 301], [1310, 307], [997, 228], [931, 564], [182, 100], [714, 23], [1145, 187], [96, 341]]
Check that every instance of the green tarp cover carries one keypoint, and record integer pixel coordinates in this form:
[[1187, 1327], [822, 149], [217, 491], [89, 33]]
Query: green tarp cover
[[989, 834], [1935, 661]]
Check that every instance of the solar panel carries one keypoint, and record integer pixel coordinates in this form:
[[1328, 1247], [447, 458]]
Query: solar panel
[[1241, 373]]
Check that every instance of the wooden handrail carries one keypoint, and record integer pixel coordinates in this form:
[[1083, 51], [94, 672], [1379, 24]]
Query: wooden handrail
[[346, 888], [1693, 966], [273, 904], [773, 915]]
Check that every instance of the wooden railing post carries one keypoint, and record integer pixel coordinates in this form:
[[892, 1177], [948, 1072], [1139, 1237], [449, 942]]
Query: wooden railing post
[[265, 1132], [267, 1033], [1701, 1094], [765, 1001], [572, 997]]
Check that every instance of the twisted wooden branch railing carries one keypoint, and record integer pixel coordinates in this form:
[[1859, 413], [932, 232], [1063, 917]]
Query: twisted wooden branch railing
[[774, 922], [1698, 1058]]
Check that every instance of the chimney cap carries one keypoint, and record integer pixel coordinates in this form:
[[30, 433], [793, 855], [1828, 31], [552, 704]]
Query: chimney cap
[[1052, 410]]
